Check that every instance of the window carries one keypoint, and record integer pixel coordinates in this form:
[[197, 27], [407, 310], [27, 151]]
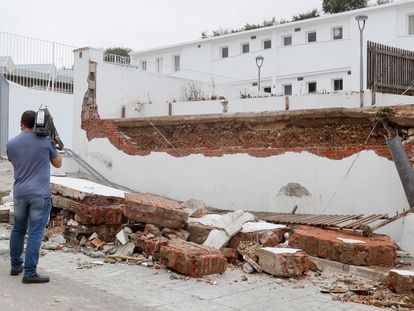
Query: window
[[177, 62], [287, 40], [144, 65], [253, 38], [287, 89], [224, 52], [297, 29], [411, 25], [337, 33], [338, 84], [267, 89], [312, 87], [267, 44], [158, 64], [311, 36], [245, 47]]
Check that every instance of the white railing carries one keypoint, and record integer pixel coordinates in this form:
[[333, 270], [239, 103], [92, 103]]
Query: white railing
[[117, 59], [37, 63]]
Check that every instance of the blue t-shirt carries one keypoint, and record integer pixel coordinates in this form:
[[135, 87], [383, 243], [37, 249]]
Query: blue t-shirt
[[30, 155]]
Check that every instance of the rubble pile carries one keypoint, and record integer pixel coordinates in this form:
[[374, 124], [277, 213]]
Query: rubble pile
[[156, 232]]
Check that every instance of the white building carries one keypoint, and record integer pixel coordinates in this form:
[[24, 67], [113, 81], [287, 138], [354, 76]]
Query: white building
[[319, 55]]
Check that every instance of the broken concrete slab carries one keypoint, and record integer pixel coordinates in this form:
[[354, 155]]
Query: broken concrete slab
[[217, 239], [195, 208], [122, 237], [152, 209], [401, 281], [77, 188], [192, 259], [378, 250], [198, 232], [283, 262], [233, 222]]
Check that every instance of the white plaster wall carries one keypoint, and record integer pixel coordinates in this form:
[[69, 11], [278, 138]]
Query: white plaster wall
[[60, 105]]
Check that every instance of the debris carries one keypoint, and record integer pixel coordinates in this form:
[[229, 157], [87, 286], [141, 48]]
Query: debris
[[244, 278], [72, 223], [252, 263], [195, 208], [283, 262], [54, 243], [269, 239], [122, 237], [173, 233], [401, 281], [93, 236], [198, 232], [82, 241], [4, 213], [150, 228], [126, 250], [97, 242], [247, 268], [217, 239], [123, 257], [97, 254], [155, 210]]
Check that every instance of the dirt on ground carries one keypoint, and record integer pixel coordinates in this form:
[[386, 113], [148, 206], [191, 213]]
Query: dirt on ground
[[292, 129]]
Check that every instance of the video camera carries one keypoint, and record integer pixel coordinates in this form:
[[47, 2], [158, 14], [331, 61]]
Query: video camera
[[44, 126]]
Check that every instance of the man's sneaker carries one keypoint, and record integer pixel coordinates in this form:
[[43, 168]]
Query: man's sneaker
[[16, 271], [35, 279]]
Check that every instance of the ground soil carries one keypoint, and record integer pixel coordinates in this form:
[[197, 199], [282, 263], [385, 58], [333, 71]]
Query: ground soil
[[296, 129]]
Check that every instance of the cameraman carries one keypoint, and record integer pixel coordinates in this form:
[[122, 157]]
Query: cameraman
[[31, 156]]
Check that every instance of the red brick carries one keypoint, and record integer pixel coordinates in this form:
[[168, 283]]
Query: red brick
[[198, 232], [402, 282], [192, 259], [148, 208], [100, 215], [376, 251], [283, 264], [151, 247], [276, 236]]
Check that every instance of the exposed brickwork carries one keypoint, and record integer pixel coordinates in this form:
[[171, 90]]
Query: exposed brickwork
[[192, 259], [151, 247], [400, 283], [100, 215], [284, 265], [152, 209], [198, 232], [376, 251], [256, 236]]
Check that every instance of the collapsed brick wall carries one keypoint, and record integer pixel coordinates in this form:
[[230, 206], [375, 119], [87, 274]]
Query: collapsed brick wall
[[331, 133]]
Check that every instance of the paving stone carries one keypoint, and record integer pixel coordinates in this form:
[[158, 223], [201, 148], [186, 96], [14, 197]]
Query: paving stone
[[283, 262], [192, 259], [345, 247], [401, 281], [155, 210]]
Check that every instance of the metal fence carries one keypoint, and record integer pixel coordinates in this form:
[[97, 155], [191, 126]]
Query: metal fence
[[37, 63], [390, 70], [117, 59]]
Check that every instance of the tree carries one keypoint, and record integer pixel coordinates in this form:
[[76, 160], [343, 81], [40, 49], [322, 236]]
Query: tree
[[381, 2], [302, 16], [337, 6]]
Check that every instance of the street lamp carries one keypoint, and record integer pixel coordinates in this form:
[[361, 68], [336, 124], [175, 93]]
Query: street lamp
[[259, 63], [361, 19]]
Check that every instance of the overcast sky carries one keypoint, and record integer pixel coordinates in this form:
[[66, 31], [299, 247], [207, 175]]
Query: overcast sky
[[137, 24]]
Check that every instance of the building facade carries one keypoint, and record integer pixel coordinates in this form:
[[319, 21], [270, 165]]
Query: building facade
[[319, 55]]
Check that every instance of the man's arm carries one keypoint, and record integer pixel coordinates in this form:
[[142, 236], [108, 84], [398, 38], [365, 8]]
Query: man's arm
[[57, 161]]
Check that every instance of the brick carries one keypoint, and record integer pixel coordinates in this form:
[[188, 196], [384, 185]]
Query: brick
[[150, 228], [283, 262], [230, 253], [198, 232], [65, 203], [192, 259], [401, 281], [151, 247], [270, 237], [175, 233], [100, 215], [375, 251], [148, 208]]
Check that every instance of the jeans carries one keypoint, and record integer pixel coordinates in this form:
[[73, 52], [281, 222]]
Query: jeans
[[29, 213]]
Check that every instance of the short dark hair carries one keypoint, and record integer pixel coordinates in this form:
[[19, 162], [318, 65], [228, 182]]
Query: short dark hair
[[28, 118]]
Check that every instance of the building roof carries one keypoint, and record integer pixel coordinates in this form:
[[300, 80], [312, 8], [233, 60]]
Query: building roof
[[6, 64], [289, 24], [39, 71]]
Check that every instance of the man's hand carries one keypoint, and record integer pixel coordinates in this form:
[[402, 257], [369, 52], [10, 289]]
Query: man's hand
[[57, 162]]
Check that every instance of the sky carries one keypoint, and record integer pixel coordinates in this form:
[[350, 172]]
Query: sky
[[137, 24]]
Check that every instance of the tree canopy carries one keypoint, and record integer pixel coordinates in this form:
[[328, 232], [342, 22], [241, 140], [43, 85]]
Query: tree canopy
[[120, 51], [337, 6]]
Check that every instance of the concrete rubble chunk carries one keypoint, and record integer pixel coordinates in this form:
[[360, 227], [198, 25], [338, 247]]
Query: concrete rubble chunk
[[283, 262], [126, 250], [122, 237], [217, 239], [233, 222], [195, 208], [252, 263], [175, 234], [55, 242], [192, 259], [155, 210], [378, 250], [401, 281], [198, 232], [150, 228]]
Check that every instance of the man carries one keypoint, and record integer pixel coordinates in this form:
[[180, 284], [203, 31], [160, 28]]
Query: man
[[31, 156]]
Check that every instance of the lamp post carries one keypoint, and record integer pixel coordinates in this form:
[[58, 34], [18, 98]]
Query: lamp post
[[259, 63], [361, 19]]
